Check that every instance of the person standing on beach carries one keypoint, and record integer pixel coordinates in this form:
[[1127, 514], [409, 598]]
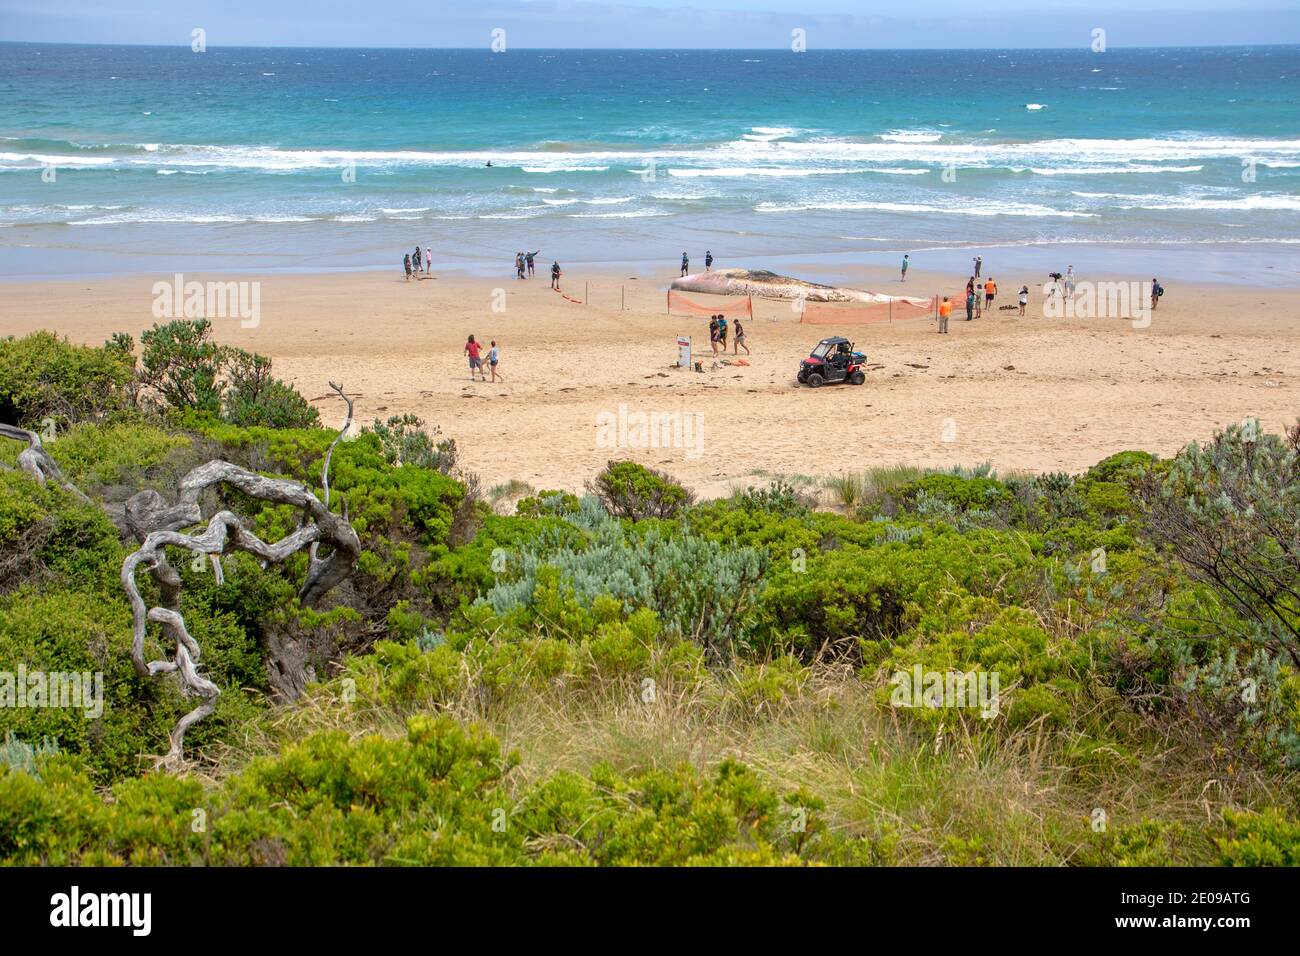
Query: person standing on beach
[[1157, 290], [713, 335], [708, 260], [1069, 282], [979, 264], [1024, 298], [472, 350], [970, 301], [722, 333], [904, 279], [686, 263], [555, 276], [529, 257], [406, 264], [417, 261], [945, 310], [428, 261], [494, 356], [739, 340], [990, 290]]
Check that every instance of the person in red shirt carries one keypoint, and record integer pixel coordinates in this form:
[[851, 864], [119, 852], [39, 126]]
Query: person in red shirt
[[475, 362]]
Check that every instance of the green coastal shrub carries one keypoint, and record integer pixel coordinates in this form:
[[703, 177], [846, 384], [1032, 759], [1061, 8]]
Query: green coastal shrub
[[436, 797], [553, 503], [253, 397], [965, 634], [181, 362], [45, 376], [88, 633], [406, 440], [123, 453], [839, 598], [963, 493], [189, 372], [48, 536], [629, 490], [1270, 838], [1228, 512]]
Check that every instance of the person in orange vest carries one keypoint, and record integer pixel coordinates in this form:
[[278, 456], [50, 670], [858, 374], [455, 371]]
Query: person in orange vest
[[990, 290], [945, 310]]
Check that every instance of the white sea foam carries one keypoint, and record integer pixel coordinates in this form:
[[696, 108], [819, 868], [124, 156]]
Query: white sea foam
[[631, 214], [1267, 201], [149, 218], [911, 136], [599, 201], [56, 160], [1107, 170], [967, 208], [769, 134], [739, 172], [776, 157], [1256, 201], [564, 169]]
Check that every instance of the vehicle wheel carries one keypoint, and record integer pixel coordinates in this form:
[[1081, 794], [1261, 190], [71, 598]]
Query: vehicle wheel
[[814, 380], [857, 378]]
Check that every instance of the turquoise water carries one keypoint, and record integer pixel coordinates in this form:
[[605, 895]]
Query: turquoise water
[[125, 159]]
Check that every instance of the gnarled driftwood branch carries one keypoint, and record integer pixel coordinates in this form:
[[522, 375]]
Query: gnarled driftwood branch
[[36, 461], [157, 525]]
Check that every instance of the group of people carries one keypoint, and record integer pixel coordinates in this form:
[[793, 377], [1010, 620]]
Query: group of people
[[526, 268], [415, 262], [979, 296], [718, 336], [708, 262], [524, 265], [474, 351], [1063, 283]]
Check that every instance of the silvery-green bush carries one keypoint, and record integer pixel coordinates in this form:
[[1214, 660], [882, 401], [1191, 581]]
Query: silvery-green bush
[[702, 589]]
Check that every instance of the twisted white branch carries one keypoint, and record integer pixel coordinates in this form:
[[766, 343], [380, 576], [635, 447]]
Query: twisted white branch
[[36, 461], [158, 525]]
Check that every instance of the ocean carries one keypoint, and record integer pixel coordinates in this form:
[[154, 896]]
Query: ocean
[[137, 159]]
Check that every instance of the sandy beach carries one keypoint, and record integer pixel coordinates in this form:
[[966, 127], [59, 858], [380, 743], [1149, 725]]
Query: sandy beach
[[1031, 394]]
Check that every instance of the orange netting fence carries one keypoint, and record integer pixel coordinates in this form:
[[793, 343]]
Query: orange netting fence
[[862, 313], [733, 308]]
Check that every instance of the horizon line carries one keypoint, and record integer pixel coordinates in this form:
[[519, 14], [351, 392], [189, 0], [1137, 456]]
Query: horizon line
[[631, 49]]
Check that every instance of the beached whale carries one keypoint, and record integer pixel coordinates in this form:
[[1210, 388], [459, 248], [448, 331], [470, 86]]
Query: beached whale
[[769, 285]]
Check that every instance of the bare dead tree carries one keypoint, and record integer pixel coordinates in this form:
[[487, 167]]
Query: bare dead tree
[[36, 461], [158, 525]]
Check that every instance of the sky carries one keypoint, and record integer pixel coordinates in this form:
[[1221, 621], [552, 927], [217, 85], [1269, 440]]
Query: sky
[[708, 24]]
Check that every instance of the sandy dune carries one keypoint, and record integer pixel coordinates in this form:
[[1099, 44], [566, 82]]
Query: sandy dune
[[1026, 394]]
